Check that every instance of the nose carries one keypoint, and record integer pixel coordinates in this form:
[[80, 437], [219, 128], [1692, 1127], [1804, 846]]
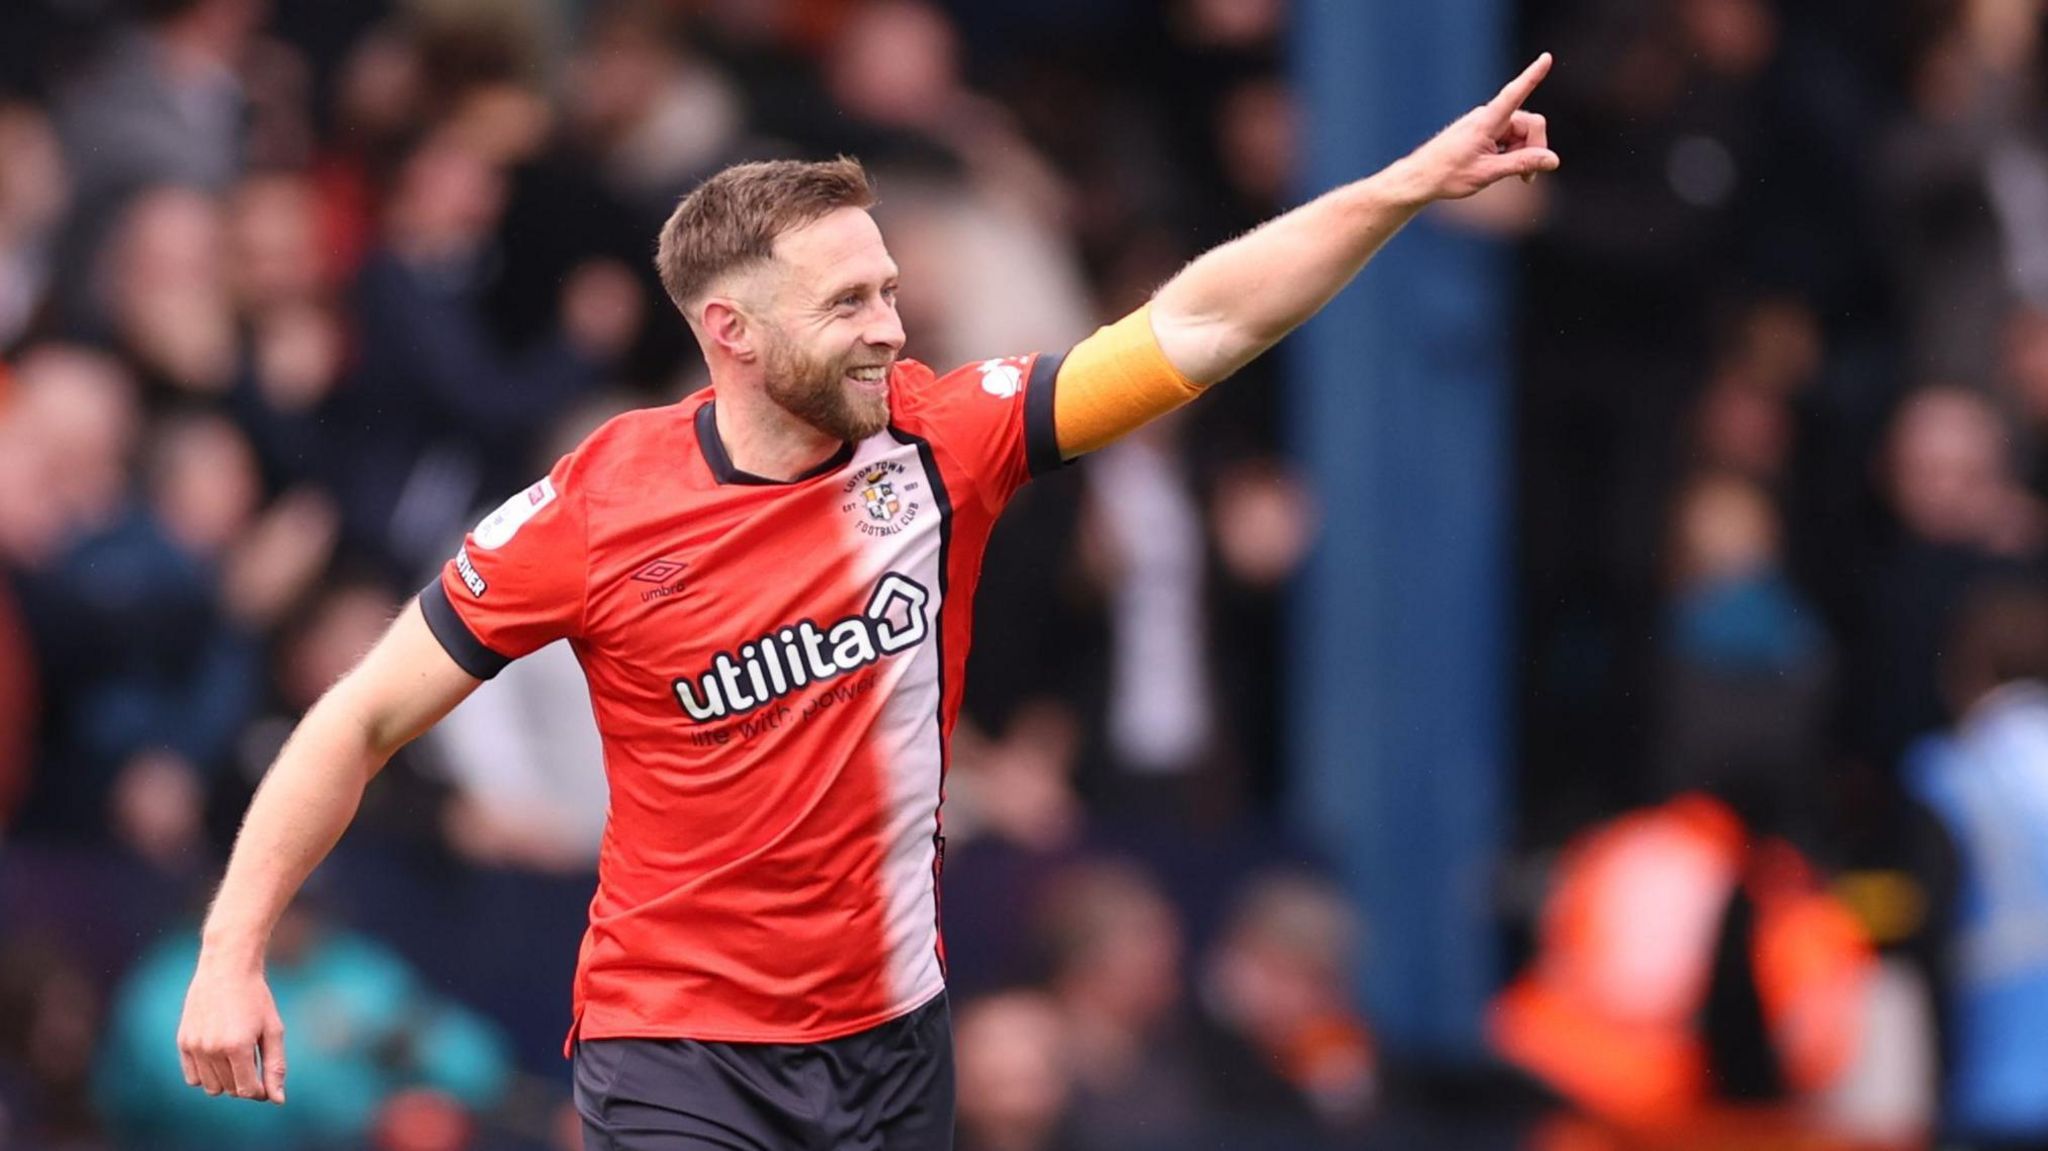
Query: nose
[[885, 329]]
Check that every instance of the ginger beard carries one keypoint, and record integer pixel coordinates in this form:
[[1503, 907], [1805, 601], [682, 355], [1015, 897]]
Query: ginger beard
[[819, 393]]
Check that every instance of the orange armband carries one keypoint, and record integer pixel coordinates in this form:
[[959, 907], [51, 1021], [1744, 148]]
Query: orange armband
[[1113, 382]]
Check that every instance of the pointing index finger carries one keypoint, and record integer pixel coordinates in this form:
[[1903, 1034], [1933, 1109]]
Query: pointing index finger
[[1510, 99]]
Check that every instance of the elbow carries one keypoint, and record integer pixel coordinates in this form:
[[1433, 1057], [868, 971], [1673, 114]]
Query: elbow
[[1208, 349], [363, 736]]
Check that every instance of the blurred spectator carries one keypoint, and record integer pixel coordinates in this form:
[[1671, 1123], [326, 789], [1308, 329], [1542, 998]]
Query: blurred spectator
[[378, 98], [1013, 1075], [365, 1030], [896, 70], [163, 105], [1017, 788], [973, 213], [35, 193], [149, 628], [1966, 178], [20, 707], [1986, 782], [312, 649], [78, 409], [1114, 946], [1684, 965], [66, 437], [656, 118], [1282, 1047], [166, 291], [527, 768], [1951, 479], [32, 525], [438, 412], [1703, 175], [1745, 421], [50, 1020], [275, 255], [480, 73], [1013, 821], [1747, 667], [1150, 529], [1187, 538], [2023, 374], [1262, 520], [294, 344], [1947, 473]]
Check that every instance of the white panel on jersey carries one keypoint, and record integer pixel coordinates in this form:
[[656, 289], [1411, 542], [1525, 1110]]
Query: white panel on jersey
[[890, 506]]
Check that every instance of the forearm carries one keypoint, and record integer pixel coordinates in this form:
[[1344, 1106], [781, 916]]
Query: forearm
[[298, 815], [1238, 299]]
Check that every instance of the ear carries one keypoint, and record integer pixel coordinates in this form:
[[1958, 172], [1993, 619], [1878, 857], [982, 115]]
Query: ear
[[726, 326]]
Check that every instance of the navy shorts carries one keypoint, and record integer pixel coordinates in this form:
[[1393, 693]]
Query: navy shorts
[[889, 1088]]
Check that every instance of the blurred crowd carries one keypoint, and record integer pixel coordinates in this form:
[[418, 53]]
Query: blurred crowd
[[1781, 424], [291, 291]]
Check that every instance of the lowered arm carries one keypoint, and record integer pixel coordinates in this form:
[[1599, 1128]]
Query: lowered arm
[[231, 1039]]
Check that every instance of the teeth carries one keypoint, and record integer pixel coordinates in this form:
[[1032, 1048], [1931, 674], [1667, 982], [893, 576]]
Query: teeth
[[867, 373]]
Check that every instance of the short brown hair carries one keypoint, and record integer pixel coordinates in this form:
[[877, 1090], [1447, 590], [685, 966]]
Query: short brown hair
[[732, 219]]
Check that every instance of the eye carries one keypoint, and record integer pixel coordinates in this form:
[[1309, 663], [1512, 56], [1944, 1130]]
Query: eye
[[889, 293], [847, 302]]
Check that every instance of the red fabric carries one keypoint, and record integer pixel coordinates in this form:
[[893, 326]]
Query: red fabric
[[20, 702], [768, 874]]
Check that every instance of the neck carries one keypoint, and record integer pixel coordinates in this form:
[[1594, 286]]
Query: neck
[[762, 438]]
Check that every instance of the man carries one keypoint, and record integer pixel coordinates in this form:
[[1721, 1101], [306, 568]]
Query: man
[[1984, 864], [769, 586]]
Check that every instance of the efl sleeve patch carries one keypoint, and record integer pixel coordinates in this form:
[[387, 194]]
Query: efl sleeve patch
[[497, 529], [517, 583]]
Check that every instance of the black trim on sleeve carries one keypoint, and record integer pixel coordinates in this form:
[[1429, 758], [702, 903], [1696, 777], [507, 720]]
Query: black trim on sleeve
[[721, 464], [1041, 438], [461, 644]]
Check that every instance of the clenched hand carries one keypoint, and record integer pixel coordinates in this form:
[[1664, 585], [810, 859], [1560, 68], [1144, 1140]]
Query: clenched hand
[[231, 1039]]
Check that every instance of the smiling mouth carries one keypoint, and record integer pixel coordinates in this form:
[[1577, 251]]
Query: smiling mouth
[[873, 378]]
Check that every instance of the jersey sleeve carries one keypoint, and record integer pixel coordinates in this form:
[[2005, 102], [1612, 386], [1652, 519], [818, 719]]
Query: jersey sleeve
[[517, 583], [996, 419]]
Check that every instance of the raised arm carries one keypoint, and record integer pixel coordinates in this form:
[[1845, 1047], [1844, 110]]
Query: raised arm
[[1240, 298], [403, 686], [1236, 300]]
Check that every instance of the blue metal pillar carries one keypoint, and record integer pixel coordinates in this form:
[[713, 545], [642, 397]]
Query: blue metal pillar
[[1400, 640]]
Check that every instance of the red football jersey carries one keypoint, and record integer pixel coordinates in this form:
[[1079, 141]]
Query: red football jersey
[[775, 669]]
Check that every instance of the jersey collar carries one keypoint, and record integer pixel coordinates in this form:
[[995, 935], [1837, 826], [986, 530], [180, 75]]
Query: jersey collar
[[724, 472]]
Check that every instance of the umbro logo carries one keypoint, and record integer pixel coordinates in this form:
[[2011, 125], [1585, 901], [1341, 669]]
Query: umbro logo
[[667, 574], [660, 571]]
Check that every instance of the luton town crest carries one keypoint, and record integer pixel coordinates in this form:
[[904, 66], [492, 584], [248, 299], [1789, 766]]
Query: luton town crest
[[884, 495], [880, 496]]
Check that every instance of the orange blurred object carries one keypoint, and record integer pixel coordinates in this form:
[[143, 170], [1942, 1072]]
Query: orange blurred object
[[1609, 1013]]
